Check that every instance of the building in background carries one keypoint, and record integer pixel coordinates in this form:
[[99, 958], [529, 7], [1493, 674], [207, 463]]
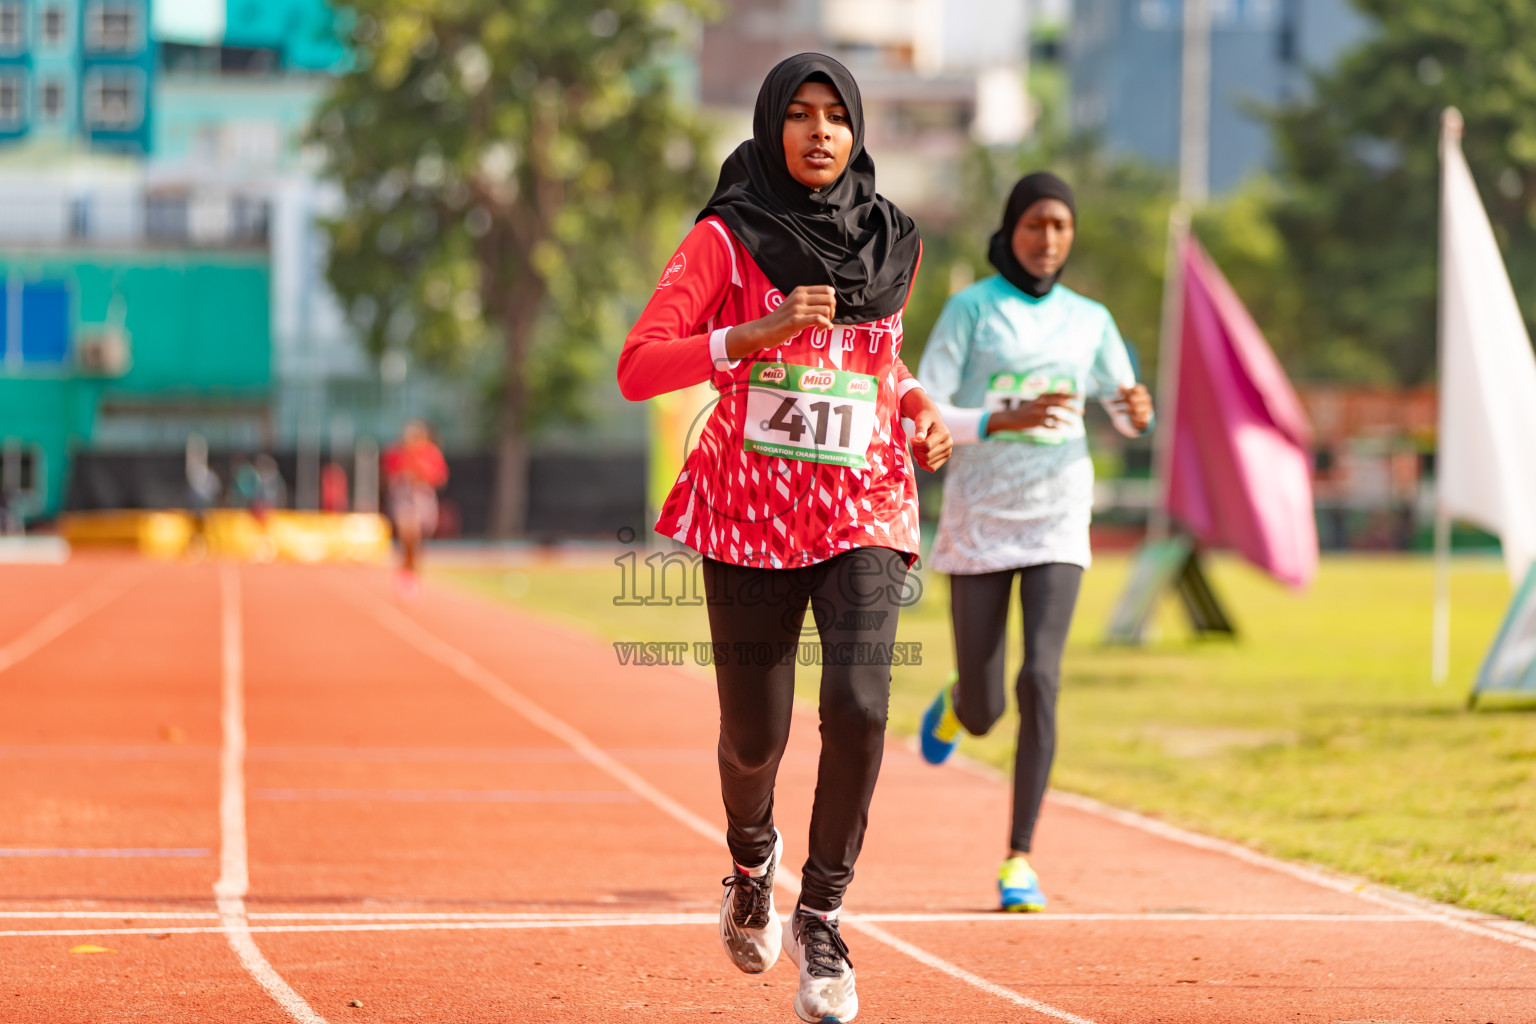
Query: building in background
[[78, 71], [151, 220], [174, 287], [1124, 59], [161, 263], [935, 75]]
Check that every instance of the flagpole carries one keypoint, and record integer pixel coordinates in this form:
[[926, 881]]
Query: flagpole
[[1451, 128], [1194, 186], [1195, 103], [1440, 657], [1168, 350]]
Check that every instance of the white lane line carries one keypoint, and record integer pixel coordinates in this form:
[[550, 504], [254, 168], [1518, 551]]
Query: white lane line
[[102, 915], [411, 926], [961, 974], [1470, 921], [499, 690], [234, 875], [64, 618], [448, 796], [87, 851], [62, 752], [417, 636], [1007, 920], [383, 755]]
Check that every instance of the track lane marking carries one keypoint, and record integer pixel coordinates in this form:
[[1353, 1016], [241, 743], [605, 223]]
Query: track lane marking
[[68, 615], [380, 755], [1471, 922], [711, 917], [234, 869], [445, 653], [976, 981], [89, 851], [447, 796], [691, 920]]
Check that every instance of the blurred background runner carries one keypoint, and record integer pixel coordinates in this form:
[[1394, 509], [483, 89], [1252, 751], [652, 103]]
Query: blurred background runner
[[414, 469]]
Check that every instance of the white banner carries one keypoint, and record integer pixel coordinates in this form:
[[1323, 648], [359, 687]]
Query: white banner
[[1486, 462]]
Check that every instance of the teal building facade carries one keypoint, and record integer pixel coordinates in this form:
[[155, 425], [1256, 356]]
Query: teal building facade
[[140, 254], [78, 70], [146, 330]]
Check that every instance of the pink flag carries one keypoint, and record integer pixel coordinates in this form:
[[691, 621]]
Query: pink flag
[[1241, 473]]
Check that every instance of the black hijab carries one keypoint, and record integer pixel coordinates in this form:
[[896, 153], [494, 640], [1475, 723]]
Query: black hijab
[[844, 235], [1031, 187]]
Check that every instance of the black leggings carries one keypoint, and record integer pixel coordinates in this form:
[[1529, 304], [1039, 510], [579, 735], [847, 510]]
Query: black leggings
[[755, 618], [979, 610]]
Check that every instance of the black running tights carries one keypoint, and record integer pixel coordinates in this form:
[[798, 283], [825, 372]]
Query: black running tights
[[755, 618], [979, 609]]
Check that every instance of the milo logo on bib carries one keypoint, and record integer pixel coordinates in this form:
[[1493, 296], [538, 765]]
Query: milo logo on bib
[[1015, 390], [817, 380], [810, 413]]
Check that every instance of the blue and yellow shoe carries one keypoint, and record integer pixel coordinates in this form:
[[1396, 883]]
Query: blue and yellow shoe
[[940, 731], [1018, 886]]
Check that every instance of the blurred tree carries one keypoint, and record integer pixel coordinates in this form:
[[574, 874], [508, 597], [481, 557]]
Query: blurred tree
[[506, 165], [1359, 170]]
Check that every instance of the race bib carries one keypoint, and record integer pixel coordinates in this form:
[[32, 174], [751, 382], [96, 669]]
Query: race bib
[[1012, 390], [810, 414]]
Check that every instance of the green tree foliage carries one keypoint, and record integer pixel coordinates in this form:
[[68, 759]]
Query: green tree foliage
[[506, 167], [1359, 172]]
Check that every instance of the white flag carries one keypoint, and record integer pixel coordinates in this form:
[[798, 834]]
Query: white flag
[[1486, 463]]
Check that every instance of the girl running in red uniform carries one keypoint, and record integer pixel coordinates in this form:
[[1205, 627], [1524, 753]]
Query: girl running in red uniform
[[787, 296], [415, 469]]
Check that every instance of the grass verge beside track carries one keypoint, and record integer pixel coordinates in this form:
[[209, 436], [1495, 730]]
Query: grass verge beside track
[[1316, 737]]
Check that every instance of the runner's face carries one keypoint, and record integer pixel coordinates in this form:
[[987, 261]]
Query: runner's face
[[1043, 237], [818, 135]]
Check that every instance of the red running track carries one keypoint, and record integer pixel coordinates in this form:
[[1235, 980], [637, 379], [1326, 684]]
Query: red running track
[[273, 793]]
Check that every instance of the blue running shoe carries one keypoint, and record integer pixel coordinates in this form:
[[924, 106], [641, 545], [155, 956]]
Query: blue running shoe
[[1018, 886], [940, 731]]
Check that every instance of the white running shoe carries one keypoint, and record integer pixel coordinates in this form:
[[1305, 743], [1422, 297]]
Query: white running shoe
[[826, 993], [749, 925]]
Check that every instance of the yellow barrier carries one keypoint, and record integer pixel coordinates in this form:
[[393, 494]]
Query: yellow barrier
[[307, 537], [328, 537], [156, 534]]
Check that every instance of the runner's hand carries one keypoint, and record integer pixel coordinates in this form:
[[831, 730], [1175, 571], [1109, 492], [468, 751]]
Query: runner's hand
[[1136, 403], [807, 306], [931, 443], [1041, 412]]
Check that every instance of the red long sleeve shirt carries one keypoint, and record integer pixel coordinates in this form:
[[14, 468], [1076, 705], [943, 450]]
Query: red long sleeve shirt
[[734, 501], [417, 462]]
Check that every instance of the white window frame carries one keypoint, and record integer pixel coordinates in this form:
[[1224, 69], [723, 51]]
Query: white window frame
[[42, 22], [18, 11], [41, 89], [19, 79], [94, 80], [95, 13]]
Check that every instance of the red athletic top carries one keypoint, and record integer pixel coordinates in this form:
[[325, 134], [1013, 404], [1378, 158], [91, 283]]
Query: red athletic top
[[746, 507], [417, 462]]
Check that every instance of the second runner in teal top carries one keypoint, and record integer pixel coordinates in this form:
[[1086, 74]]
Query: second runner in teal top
[[1020, 497]]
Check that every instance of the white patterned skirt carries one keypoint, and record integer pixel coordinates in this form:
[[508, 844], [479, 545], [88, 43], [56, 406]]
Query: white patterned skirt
[[1009, 505]]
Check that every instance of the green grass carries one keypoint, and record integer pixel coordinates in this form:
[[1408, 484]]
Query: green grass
[[1315, 737]]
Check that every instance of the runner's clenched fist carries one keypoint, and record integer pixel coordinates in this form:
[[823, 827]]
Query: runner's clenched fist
[[931, 443], [811, 305]]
